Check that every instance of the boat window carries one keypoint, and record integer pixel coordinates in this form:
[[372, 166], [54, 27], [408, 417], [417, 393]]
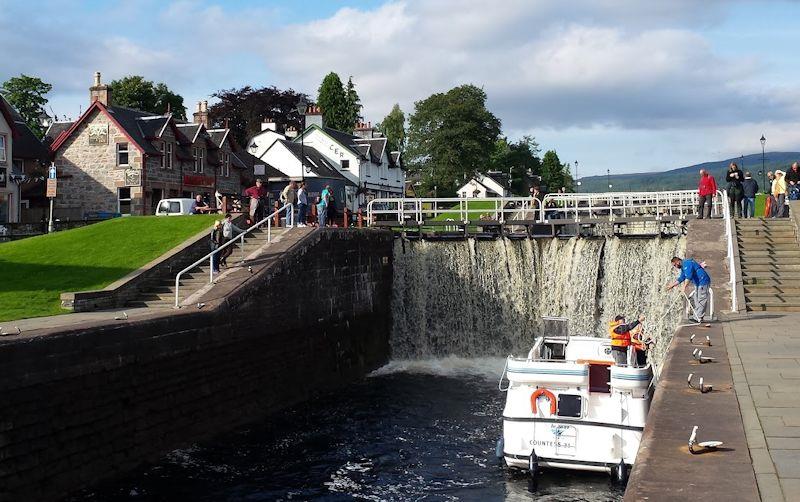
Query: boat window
[[569, 405], [599, 378], [554, 350]]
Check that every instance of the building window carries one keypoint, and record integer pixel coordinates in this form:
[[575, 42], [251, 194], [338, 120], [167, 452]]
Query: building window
[[18, 166], [122, 154], [124, 200], [169, 155], [163, 150], [3, 148], [198, 160], [226, 165], [345, 164]]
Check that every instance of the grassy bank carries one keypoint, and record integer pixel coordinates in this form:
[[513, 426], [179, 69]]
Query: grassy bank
[[35, 271]]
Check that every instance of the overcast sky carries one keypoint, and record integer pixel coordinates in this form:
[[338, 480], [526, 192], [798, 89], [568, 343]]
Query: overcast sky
[[625, 85]]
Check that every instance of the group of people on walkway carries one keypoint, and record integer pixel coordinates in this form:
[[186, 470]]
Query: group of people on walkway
[[295, 196], [742, 190], [625, 335]]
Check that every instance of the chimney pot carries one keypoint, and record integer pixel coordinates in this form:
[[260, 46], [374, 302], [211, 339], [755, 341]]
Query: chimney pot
[[97, 79]]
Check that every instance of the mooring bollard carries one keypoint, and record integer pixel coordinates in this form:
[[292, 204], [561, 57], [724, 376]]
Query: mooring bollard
[[346, 222], [360, 218]]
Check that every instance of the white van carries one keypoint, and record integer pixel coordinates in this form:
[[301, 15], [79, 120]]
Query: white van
[[174, 207]]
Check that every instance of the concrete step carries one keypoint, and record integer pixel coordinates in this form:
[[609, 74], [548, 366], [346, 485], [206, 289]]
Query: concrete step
[[765, 280], [763, 221], [771, 298], [151, 304], [773, 307], [778, 267], [771, 253], [767, 241], [760, 275], [768, 260], [765, 289], [162, 297], [774, 234]]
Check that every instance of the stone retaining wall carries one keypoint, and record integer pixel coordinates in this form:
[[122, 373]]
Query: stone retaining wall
[[87, 403]]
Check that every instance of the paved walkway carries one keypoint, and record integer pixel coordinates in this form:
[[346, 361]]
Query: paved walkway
[[764, 352]]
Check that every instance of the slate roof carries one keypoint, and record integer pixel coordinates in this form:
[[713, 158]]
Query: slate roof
[[346, 140], [54, 130], [127, 118], [245, 160], [376, 147], [319, 164], [190, 130], [25, 143]]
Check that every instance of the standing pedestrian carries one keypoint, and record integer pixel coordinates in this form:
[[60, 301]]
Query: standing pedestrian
[[322, 207], [749, 191], [734, 178], [229, 231], [779, 194], [769, 203], [257, 194], [289, 197], [793, 182], [707, 190], [216, 241], [693, 272], [620, 334], [302, 204]]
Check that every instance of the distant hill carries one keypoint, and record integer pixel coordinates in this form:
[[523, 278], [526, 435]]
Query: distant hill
[[685, 178]]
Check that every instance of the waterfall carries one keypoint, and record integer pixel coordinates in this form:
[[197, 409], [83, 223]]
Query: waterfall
[[476, 298]]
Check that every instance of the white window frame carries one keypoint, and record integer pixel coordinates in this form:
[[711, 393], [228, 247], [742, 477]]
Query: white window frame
[[226, 165], [127, 152], [199, 160], [3, 148], [163, 149]]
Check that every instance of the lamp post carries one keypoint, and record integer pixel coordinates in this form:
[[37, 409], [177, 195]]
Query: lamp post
[[608, 178], [763, 171], [577, 183], [301, 110]]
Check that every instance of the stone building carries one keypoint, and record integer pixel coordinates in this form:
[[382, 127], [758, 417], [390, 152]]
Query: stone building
[[115, 159]]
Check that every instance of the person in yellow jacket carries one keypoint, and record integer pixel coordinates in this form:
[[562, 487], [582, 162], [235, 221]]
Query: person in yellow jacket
[[779, 194], [621, 333]]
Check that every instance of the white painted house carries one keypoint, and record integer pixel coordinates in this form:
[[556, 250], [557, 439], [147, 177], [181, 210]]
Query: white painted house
[[491, 184], [9, 192], [260, 143]]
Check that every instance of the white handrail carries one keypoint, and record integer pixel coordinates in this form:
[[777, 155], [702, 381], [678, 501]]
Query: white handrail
[[419, 210], [209, 256], [729, 234]]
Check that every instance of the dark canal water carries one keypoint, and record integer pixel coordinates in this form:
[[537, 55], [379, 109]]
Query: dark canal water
[[416, 431]]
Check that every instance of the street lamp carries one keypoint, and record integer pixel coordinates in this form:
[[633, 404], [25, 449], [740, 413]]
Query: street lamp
[[608, 178], [302, 105], [763, 180], [577, 183]]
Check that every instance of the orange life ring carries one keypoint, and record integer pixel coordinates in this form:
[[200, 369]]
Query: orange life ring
[[546, 393]]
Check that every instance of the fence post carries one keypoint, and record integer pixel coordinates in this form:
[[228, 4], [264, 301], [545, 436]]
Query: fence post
[[360, 218], [346, 222], [277, 217]]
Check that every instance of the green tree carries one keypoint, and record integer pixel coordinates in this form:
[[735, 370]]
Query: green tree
[[555, 174], [26, 94], [332, 99], [353, 101], [393, 126], [134, 91], [520, 159], [451, 136]]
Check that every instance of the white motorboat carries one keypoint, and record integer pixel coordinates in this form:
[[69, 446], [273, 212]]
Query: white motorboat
[[569, 406]]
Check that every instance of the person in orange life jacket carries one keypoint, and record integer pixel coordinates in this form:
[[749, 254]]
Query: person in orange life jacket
[[620, 334]]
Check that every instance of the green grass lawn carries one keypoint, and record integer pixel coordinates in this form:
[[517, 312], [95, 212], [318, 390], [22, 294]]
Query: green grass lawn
[[35, 271], [472, 205]]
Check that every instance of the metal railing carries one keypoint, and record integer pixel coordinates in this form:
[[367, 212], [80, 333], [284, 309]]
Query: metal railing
[[614, 205], [730, 235], [239, 238], [575, 207], [452, 209]]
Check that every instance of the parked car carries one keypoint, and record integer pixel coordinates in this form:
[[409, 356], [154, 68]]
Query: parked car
[[174, 207]]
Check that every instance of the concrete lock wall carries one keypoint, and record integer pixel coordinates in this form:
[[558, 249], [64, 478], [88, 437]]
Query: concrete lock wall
[[85, 404]]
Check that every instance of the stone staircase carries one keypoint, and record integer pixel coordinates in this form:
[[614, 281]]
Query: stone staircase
[[769, 256], [160, 292]]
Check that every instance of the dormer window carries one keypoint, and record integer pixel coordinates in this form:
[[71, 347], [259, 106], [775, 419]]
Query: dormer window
[[345, 164]]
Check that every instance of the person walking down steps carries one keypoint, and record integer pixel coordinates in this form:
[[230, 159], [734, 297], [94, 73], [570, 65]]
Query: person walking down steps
[[693, 272]]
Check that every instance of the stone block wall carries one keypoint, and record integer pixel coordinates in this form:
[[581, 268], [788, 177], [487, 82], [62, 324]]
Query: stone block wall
[[88, 174], [89, 402]]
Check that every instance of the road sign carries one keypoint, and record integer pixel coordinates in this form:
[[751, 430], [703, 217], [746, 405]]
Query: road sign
[[51, 187], [51, 173]]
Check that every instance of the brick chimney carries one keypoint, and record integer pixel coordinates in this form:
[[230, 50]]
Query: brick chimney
[[314, 115], [99, 91], [201, 115], [364, 130]]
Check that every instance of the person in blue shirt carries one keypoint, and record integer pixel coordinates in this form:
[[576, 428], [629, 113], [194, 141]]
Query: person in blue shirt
[[693, 272]]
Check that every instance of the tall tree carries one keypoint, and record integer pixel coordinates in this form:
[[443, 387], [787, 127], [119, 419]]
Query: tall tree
[[26, 94], [244, 109], [520, 159], [393, 126], [353, 115], [555, 175], [134, 91], [332, 99], [451, 136]]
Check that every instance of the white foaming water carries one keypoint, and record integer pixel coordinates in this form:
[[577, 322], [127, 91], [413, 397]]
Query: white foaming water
[[486, 298], [450, 366]]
